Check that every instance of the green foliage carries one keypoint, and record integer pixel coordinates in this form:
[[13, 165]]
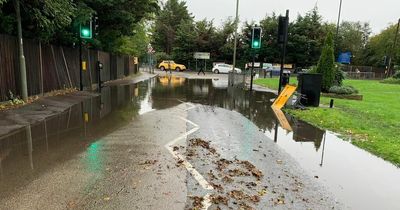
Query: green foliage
[[307, 36], [168, 20], [397, 75], [135, 45], [391, 80], [40, 19], [326, 64], [339, 76], [343, 90], [57, 21], [378, 47], [160, 56], [353, 37]]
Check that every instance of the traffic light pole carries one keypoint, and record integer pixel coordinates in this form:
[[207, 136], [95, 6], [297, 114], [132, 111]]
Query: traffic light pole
[[283, 52], [80, 65], [252, 70]]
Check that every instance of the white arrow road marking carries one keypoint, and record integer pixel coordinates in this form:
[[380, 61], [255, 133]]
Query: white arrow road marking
[[189, 167]]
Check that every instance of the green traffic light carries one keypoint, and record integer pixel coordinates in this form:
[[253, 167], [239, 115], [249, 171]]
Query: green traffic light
[[256, 44], [85, 32]]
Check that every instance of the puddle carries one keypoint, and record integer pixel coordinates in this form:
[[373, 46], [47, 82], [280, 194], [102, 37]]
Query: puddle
[[357, 178]]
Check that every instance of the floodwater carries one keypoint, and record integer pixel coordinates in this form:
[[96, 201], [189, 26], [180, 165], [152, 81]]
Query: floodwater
[[358, 179]]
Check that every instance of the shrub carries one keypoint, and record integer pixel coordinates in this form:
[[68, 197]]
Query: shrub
[[343, 90], [326, 64], [391, 80], [396, 75], [339, 77]]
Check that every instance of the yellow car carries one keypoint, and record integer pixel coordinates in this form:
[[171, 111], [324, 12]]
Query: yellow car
[[171, 65]]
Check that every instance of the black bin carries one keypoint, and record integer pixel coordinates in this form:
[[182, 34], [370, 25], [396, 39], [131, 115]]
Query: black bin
[[310, 88], [285, 79]]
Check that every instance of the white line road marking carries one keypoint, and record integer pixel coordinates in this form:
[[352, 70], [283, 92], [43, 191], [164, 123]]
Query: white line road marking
[[187, 103], [189, 167]]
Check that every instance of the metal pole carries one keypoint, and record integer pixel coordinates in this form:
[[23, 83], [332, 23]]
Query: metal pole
[[338, 21], [252, 70], [80, 65], [236, 35], [283, 52], [22, 64]]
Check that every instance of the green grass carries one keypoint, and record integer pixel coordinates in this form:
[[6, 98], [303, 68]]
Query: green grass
[[373, 124], [272, 83]]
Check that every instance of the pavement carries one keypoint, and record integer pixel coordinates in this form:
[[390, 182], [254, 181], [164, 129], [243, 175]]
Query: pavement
[[45, 107]]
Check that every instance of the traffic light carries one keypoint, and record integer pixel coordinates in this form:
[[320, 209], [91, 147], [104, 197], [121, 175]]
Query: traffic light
[[256, 38], [86, 31]]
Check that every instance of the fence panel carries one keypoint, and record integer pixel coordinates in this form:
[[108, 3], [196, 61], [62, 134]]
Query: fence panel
[[8, 66], [104, 58], [51, 67]]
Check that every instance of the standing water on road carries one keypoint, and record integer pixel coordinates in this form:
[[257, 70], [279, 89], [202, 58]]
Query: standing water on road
[[358, 179]]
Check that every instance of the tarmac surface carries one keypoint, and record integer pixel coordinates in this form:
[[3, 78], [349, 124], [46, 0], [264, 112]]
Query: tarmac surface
[[151, 146]]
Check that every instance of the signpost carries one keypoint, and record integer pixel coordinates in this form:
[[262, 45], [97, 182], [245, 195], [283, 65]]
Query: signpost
[[202, 56]]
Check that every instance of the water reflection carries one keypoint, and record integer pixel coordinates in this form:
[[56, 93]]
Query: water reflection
[[344, 168], [28, 152]]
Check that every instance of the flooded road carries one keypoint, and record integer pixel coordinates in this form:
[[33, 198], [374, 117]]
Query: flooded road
[[355, 177]]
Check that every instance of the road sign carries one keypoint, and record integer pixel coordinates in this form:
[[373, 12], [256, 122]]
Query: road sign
[[282, 119], [284, 97], [202, 55], [344, 58]]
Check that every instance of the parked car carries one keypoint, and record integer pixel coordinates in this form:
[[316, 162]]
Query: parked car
[[224, 68], [276, 71], [167, 65]]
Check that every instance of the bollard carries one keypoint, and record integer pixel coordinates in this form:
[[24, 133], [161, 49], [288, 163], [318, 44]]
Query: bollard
[[331, 104]]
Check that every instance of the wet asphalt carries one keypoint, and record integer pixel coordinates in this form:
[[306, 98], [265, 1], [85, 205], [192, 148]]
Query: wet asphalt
[[125, 155]]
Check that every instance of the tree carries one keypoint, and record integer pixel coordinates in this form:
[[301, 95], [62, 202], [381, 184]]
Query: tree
[[185, 46], [326, 64], [173, 13], [270, 50], [41, 19], [353, 37], [58, 21], [136, 44], [379, 46], [306, 39]]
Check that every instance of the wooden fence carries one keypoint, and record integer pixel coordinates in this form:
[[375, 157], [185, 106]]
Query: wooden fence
[[364, 72], [51, 67]]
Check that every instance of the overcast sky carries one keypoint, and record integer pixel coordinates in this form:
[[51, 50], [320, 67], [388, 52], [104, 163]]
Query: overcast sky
[[379, 13]]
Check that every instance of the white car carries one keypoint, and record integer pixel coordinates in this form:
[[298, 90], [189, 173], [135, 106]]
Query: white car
[[224, 68]]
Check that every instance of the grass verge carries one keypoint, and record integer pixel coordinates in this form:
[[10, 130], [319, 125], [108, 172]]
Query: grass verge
[[373, 124]]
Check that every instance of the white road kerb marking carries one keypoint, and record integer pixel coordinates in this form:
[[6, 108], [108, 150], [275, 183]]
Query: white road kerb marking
[[189, 167]]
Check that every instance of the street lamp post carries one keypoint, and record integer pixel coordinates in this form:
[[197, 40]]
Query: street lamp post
[[22, 65], [236, 35], [338, 21]]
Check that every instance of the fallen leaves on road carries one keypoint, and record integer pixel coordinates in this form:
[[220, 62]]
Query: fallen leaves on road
[[149, 162], [204, 144], [219, 199], [236, 182], [197, 202]]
